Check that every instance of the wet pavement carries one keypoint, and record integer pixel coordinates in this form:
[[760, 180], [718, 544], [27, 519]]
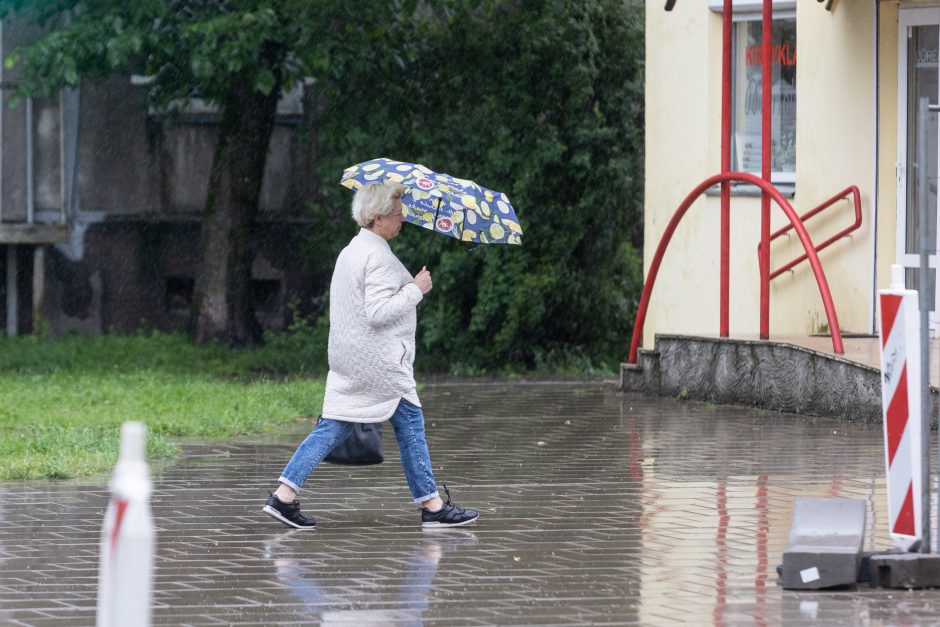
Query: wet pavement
[[596, 509]]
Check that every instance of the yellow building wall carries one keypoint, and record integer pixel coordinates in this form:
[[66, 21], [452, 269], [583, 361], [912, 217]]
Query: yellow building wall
[[835, 149], [887, 140]]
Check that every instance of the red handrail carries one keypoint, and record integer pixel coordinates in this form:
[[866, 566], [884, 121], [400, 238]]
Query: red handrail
[[768, 192], [781, 202], [857, 197]]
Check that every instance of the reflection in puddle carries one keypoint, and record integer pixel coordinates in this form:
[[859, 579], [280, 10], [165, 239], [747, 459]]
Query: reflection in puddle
[[597, 508], [357, 596]]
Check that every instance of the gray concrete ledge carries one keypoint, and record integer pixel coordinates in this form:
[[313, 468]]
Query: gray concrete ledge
[[905, 570], [767, 374]]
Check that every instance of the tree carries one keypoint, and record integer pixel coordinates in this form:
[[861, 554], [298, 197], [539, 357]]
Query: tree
[[541, 99], [238, 55]]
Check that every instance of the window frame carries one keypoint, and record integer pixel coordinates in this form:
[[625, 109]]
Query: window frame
[[784, 178], [754, 6]]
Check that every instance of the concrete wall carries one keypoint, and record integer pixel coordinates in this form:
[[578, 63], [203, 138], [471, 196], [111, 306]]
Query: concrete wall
[[835, 149], [131, 161], [770, 375], [134, 213], [134, 163], [138, 274]]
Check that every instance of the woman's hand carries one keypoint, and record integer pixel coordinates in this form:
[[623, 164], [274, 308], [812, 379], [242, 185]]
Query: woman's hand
[[423, 280]]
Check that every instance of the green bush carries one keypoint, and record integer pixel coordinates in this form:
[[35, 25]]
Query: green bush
[[541, 100]]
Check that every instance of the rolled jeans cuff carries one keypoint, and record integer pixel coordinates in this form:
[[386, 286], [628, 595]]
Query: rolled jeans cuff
[[426, 498], [290, 484]]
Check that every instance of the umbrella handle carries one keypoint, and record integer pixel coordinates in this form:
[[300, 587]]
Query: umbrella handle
[[427, 256]]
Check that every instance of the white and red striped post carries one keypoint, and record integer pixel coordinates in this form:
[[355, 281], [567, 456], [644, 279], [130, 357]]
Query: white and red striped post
[[125, 575], [901, 404]]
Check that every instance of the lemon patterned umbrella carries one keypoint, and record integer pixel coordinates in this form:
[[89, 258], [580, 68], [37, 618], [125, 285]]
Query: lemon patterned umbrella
[[443, 203]]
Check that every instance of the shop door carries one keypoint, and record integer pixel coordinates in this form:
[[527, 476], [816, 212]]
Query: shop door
[[918, 85]]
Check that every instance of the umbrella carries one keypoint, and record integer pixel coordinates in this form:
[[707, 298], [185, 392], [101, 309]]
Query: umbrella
[[443, 203]]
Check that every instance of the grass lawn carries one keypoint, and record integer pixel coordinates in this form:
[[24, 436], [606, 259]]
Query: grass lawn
[[62, 401]]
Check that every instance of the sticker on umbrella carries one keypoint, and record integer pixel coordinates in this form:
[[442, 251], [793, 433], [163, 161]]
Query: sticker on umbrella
[[440, 202]]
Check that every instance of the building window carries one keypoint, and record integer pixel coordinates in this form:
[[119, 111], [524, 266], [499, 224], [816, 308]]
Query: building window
[[178, 294], [747, 85]]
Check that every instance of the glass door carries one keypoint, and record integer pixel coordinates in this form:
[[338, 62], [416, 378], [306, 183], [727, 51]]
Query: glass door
[[918, 86]]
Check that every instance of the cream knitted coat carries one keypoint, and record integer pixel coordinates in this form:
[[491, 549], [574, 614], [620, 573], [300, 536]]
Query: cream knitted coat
[[372, 333]]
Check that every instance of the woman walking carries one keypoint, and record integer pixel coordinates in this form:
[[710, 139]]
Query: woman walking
[[371, 353]]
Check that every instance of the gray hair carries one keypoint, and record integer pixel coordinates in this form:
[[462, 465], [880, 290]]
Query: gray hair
[[374, 200]]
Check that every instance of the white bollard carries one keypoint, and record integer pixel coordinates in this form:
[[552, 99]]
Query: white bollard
[[901, 404], [125, 571]]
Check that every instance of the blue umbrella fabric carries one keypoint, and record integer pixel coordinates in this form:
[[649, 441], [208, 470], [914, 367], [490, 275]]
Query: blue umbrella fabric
[[440, 202]]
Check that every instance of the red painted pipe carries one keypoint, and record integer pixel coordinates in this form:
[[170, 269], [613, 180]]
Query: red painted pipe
[[771, 191], [721, 552], [725, 254], [767, 86], [857, 201]]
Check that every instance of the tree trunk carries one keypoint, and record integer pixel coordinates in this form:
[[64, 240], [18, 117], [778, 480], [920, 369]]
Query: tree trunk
[[223, 308]]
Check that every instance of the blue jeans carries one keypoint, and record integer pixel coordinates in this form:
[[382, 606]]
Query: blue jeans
[[408, 422]]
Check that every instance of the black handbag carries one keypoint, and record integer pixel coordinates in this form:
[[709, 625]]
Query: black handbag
[[362, 447]]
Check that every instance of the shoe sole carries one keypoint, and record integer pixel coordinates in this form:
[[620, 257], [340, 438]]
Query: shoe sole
[[439, 525], [273, 513]]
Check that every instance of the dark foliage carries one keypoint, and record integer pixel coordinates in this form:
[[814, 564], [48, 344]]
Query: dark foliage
[[541, 100]]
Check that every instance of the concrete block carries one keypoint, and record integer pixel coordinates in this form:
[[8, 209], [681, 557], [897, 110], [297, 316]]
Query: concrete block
[[643, 376], [825, 546], [904, 570]]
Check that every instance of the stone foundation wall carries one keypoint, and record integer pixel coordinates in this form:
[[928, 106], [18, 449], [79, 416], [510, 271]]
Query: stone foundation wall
[[771, 375]]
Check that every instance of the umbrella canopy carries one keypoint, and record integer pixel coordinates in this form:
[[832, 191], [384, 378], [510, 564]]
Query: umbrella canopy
[[443, 203]]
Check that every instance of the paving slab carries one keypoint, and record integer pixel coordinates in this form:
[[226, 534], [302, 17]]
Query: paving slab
[[597, 508]]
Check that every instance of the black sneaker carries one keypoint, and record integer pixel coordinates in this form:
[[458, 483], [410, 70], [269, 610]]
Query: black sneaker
[[288, 513], [448, 516]]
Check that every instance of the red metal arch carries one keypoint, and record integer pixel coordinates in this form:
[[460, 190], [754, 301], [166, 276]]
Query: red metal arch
[[797, 225]]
